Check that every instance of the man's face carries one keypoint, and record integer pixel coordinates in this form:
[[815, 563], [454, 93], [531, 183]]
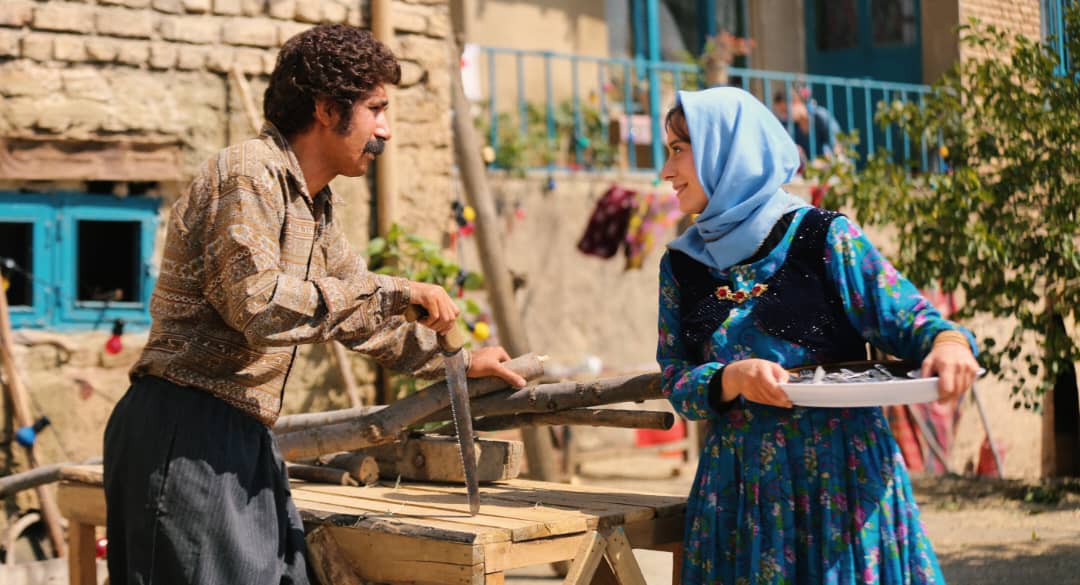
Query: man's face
[[363, 139], [798, 108]]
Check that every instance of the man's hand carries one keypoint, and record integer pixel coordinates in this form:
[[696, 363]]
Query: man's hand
[[955, 367], [442, 313], [757, 380], [487, 361]]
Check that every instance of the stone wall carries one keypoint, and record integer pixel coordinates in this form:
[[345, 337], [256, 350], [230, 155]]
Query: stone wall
[[159, 72]]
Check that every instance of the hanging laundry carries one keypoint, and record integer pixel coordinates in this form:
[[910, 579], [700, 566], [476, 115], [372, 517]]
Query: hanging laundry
[[655, 216], [608, 223]]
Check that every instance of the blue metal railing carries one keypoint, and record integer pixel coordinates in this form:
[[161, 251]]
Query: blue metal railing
[[1054, 31], [576, 122]]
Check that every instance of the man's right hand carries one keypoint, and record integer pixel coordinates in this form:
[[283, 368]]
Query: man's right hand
[[442, 313]]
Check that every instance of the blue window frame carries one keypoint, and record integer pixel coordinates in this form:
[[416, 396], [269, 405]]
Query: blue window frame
[[81, 261], [1054, 31]]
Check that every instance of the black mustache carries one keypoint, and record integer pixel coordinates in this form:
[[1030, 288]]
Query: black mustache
[[375, 146]]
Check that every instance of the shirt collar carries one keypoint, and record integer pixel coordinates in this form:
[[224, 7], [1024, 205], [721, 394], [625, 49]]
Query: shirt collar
[[281, 145]]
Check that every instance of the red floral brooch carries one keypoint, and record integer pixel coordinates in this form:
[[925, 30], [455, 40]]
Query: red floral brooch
[[725, 293]]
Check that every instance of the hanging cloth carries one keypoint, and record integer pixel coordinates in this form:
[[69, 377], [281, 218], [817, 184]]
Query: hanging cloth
[[608, 223]]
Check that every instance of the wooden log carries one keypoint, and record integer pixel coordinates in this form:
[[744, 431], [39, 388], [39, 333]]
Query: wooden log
[[564, 396], [317, 474], [18, 482], [20, 401], [386, 425], [361, 467], [296, 422], [438, 458], [594, 417]]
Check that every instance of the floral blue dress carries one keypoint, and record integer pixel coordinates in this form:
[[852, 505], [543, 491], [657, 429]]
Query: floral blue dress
[[800, 495]]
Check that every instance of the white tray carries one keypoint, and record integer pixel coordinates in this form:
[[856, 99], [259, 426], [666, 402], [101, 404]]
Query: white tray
[[857, 394]]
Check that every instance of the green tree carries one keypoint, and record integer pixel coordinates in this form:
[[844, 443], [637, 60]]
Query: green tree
[[1000, 222]]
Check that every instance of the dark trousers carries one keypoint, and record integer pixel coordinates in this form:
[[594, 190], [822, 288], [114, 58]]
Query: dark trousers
[[197, 493]]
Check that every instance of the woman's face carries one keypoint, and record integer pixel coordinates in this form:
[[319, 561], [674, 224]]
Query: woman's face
[[680, 170]]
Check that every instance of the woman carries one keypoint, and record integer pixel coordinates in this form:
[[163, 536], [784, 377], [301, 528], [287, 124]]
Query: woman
[[762, 282]]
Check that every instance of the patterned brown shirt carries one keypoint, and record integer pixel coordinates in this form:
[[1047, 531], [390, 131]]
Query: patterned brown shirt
[[254, 266]]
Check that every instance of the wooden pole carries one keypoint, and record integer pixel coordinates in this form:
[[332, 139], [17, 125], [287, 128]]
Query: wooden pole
[[594, 417], [386, 425], [386, 183], [565, 395], [342, 359], [23, 418], [538, 445]]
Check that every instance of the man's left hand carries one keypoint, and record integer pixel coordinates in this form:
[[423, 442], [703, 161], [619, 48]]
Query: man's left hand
[[487, 361]]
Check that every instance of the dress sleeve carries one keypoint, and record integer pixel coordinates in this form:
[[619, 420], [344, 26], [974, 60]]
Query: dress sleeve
[[685, 383], [883, 306]]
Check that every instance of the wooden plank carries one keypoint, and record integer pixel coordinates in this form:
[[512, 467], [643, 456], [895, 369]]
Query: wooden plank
[[81, 503], [495, 579], [622, 560], [546, 521], [504, 556], [656, 534], [516, 529], [389, 558], [383, 522], [82, 565], [587, 559], [603, 510], [327, 560]]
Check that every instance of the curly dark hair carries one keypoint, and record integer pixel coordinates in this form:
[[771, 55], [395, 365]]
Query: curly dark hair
[[341, 63]]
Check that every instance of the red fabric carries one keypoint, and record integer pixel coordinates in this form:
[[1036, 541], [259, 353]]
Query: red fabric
[[608, 223]]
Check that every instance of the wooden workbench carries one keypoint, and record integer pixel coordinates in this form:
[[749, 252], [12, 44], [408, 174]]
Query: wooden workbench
[[421, 533]]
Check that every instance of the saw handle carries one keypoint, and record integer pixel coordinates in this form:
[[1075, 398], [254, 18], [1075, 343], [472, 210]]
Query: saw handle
[[450, 342]]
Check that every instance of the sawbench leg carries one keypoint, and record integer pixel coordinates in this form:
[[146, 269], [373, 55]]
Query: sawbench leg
[[587, 559], [327, 561], [82, 561]]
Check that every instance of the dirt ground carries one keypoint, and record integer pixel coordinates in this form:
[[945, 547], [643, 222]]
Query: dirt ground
[[985, 531]]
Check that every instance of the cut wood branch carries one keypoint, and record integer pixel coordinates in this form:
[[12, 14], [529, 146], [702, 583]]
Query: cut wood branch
[[296, 422], [18, 482], [363, 468], [593, 417], [564, 396], [317, 474], [387, 425]]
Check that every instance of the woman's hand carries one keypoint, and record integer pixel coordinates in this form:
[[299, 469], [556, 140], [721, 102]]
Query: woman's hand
[[442, 313], [488, 361], [955, 367], [757, 380]]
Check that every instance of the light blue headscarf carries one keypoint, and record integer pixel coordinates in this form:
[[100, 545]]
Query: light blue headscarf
[[742, 155]]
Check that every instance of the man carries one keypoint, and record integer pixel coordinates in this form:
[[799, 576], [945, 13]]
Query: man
[[825, 126], [255, 264]]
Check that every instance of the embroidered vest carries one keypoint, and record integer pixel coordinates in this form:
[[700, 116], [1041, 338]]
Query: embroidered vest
[[798, 303]]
